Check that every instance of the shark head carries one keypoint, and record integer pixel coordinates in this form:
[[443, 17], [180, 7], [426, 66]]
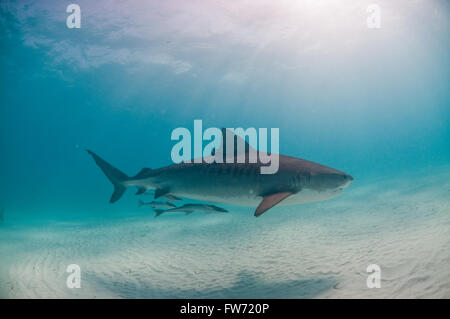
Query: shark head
[[324, 178], [309, 175], [335, 181]]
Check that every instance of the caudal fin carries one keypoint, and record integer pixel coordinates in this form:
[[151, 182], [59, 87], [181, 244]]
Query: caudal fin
[[140, 203], [116, 177]]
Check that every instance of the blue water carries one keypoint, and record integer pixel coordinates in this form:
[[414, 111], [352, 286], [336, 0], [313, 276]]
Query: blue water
[[374, 103]]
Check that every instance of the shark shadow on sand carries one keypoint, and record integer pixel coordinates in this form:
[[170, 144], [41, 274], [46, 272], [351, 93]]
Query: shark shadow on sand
[[246, 285]]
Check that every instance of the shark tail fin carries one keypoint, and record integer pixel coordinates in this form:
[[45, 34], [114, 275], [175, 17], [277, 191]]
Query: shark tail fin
[[114, 175], [158, 212], [140, 203]]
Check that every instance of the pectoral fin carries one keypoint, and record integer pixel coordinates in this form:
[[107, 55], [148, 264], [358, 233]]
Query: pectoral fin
[[269, 201]]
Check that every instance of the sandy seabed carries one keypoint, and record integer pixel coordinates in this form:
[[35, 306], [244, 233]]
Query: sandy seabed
[[318, 250]]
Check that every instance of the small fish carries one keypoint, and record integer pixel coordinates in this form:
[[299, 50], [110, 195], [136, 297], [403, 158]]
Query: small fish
[[155, 204], [170, 198], [190, 208]]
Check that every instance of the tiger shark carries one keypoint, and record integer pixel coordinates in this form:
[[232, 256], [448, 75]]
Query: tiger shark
[[297, 181]]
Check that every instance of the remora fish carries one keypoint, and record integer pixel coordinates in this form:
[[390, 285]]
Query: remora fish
[[170, 198], [296, 181], [190, 208], [155, 204]]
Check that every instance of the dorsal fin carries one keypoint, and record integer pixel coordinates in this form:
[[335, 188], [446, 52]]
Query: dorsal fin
[[228, 134], [143, 173]]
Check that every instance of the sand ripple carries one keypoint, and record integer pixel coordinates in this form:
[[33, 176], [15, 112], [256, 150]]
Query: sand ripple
[[315, 250]]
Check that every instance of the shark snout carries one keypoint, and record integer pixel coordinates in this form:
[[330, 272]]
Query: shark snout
[[348, 177], [347, 180], [332, 181], [338, 180]]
